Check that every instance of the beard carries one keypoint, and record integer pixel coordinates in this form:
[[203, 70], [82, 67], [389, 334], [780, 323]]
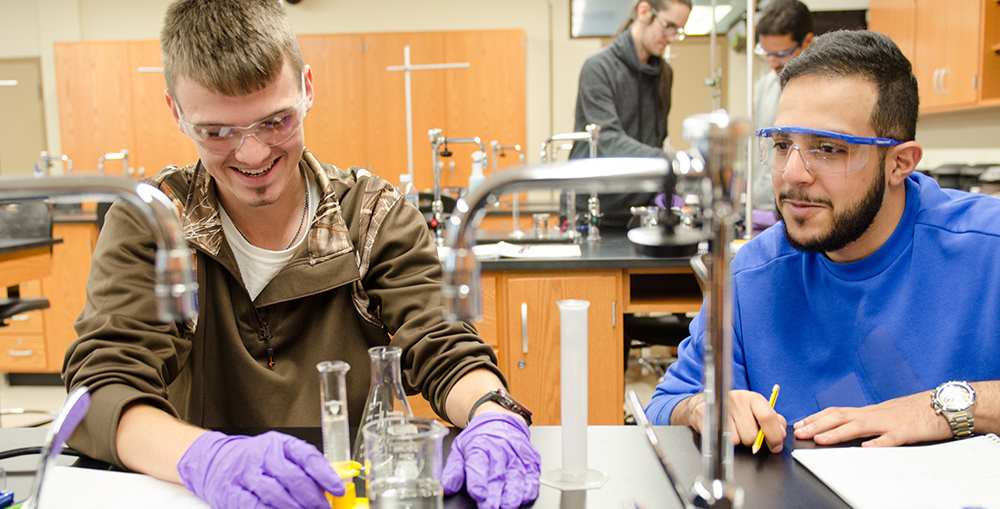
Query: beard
[[847, 226]]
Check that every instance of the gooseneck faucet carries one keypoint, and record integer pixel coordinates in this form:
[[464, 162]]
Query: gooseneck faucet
[[176, 289], [716, 160], [590, 135], [496, 147], [437, 206], [113, 156]]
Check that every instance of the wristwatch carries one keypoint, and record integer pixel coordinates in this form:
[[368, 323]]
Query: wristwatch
[[505, 400], [956, 401]]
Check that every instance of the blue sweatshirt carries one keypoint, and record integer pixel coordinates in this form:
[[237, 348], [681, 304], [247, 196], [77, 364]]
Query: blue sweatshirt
[[921, 310]]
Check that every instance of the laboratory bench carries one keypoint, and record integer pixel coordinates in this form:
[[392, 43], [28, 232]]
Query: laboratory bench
[[770, 481], [521, 318]]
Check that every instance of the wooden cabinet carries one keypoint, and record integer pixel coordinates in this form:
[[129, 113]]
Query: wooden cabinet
[[35, 342], [990, 52], [111, 98], [947, 53], [531, 352], [66, 288], [951, 45], [22, 341]]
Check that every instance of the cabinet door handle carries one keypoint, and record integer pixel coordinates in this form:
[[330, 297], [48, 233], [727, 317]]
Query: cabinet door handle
[[934, 81], [20, 353], [524, 327], [23, 317], [944, 72]]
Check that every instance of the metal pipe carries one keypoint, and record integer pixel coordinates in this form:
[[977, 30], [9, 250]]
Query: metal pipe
[[176, 289], [748, 213]]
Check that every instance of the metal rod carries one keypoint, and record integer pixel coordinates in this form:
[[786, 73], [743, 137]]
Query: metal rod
[[751, 37]]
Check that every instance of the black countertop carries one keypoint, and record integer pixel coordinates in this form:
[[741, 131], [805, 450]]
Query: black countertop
[[614, 251], [15, 245]]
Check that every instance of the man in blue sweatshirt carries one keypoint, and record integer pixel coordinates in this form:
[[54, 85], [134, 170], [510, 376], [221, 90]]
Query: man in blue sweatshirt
[[873, 302]]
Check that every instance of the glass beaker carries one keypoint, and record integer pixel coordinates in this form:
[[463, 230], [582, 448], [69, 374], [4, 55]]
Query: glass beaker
[[335, 427], [386, 397], [405, 458]]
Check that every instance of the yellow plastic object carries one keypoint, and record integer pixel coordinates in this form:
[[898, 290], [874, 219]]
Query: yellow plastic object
[[347, 470]]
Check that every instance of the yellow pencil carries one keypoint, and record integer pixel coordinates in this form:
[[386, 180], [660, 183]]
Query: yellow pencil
[[760, 434]]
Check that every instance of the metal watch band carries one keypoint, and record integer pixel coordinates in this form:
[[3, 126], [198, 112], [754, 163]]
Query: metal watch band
[[503, 399], [962, 424]]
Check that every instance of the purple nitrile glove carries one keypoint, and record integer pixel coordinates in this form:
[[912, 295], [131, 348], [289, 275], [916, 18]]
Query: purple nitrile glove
[[272, 470], [660, 200], [494, 456]]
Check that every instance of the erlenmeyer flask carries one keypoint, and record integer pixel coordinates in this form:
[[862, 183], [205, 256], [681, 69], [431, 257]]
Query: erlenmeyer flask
[[385, 397]]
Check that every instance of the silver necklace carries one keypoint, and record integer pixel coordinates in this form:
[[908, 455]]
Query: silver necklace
[[302, 220]]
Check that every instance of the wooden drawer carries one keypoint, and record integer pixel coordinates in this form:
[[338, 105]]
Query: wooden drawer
[[25, 323], [22, 353]]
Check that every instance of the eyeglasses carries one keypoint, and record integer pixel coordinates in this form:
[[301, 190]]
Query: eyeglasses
[[759, 50], [223, 139], [822, 152], [671, 28]]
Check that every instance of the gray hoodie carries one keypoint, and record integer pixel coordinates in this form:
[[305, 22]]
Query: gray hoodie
[[621, 94]]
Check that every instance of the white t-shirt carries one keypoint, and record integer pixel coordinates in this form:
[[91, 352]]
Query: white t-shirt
[[258, 266]]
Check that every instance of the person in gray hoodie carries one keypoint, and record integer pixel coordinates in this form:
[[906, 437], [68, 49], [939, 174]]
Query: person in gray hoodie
[[625, 89]]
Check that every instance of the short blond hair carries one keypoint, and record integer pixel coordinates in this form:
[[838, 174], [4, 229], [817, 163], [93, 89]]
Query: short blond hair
[[234, 47]]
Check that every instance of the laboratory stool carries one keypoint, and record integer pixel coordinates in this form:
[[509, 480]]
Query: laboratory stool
[[644, 331]]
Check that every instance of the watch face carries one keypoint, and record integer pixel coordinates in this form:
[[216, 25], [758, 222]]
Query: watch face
[[954, 397]]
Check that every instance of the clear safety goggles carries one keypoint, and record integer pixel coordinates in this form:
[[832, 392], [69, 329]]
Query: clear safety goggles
[[224, 139], [821, 152]]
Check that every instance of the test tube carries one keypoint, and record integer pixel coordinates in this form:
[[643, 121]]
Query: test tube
[[333, 395]]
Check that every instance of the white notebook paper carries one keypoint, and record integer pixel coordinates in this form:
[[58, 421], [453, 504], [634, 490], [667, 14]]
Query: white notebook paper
[[958, 474]]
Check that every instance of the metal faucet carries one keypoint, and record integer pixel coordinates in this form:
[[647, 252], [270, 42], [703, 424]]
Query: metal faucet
[[496, 147], [48, 159], [437, 206], [590, 135], [717, 160], [176, 289], [114, 156]]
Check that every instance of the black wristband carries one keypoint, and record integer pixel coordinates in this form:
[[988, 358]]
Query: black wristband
[[503, 399]]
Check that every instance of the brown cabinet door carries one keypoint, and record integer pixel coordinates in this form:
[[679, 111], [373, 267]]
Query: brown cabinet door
[[897, 19], [947, 53], [95, 101], [336, 126], [66, 288], [159, 142], [534, 376], [386, 104], [488, 98]]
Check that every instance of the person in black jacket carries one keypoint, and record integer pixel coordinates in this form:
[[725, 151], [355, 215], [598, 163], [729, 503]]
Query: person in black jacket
[[625, 89]]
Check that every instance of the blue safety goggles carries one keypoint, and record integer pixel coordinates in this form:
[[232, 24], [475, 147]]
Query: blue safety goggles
[[822, 152]]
